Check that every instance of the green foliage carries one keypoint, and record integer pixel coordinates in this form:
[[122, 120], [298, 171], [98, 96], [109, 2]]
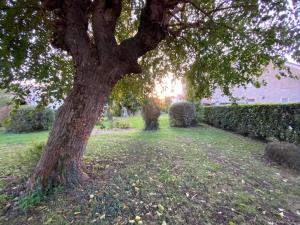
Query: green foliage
[[100, 124], [28, 119], [260, 121], [235, 49], [26, 53], [5, 98], [115, 109], [31, 199], [219, 44], [182, 114], [29, 158], [151, 113], [284, 153], [121, 124], [131, 92], [199, 113]]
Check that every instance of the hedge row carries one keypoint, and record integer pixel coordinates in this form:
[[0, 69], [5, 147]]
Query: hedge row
[[259, 121], [29, 119]]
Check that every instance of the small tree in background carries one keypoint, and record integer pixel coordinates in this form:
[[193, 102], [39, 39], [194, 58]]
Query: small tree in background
[[130, 92], [151, 112]]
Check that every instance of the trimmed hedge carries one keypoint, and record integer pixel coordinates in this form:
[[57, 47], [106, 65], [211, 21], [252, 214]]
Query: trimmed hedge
[[260, 121], [29, 119], [284, 153], [182, 114]]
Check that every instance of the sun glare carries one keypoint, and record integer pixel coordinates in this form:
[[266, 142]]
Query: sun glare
[[168, 87]]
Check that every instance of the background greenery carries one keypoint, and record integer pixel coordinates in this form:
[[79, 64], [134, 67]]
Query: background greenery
[[280, 121], [28, 119]]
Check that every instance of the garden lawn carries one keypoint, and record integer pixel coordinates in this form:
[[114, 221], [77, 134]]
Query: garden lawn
[[199, 175]]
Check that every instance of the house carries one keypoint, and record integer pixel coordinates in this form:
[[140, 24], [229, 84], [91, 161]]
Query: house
[[283, 90]]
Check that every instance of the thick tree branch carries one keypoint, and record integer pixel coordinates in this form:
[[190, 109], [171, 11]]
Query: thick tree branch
[[151, 31], [70, 29], [104, 18], [76, 25]]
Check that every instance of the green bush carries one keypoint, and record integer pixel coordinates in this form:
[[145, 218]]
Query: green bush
[[284, 153], [121, 124], [281, 122], [100, 123], [151, 113], [29, 119], [182, 114], [31, 199]]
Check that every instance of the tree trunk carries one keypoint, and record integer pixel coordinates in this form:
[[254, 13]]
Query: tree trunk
[[100, 61], [60, 163]]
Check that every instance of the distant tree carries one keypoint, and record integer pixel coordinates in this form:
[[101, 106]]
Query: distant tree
[[151, 113], [130, 92], [82, 48]]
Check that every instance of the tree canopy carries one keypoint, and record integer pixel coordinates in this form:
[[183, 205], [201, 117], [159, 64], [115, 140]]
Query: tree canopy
[[213, 43]]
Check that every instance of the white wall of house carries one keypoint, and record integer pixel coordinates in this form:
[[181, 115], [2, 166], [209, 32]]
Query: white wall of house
[[284, 90]]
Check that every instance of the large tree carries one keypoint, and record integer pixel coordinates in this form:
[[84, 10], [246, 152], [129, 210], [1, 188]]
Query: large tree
[[82, 48]]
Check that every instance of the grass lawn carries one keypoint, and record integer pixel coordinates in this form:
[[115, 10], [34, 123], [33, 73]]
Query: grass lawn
[[201, 175]]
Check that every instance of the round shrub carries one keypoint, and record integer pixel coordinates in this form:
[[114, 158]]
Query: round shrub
[[284, 153], [151, 113], [182, 114], [29, 119]]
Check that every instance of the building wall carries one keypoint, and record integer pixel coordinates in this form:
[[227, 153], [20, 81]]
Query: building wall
[[284, 90]]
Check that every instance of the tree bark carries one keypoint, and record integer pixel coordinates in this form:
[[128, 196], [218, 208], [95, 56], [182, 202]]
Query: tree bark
[[60, 163]]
